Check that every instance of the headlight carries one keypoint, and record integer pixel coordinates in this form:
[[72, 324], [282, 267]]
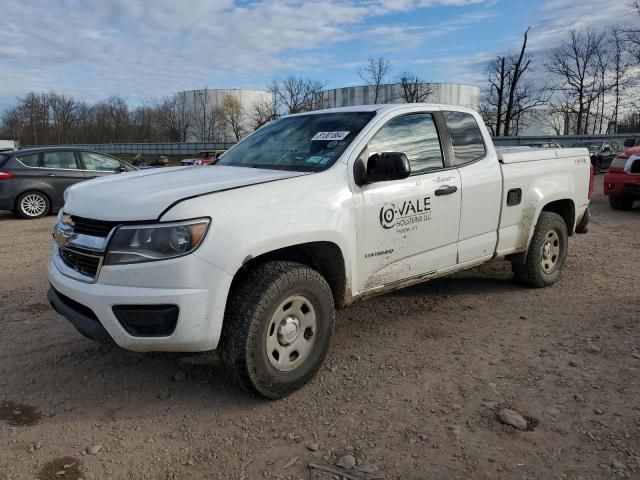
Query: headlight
[[147, 243]]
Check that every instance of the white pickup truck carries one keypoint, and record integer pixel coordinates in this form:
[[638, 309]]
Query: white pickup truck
[[309, 213]]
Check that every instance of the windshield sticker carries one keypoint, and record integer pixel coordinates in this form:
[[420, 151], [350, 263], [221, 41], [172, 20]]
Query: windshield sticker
[[329, 136], [314, 159]]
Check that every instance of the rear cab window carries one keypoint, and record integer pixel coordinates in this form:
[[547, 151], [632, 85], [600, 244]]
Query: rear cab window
[[466, 137]]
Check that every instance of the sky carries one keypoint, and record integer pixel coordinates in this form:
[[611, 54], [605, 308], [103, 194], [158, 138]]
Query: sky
[[146, 49]]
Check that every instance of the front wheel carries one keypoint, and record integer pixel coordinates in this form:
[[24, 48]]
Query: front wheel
[[547, 252], [32, 205], [277, 328]]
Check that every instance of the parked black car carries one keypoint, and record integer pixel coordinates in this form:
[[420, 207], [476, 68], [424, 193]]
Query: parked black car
[[33, 180], [602, 152], [630, 143]]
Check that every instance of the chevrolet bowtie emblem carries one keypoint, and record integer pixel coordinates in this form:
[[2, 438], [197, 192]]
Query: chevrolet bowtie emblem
[[63, 234]]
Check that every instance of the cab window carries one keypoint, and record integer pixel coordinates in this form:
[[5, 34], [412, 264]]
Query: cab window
[[466, 137], [414, 135]]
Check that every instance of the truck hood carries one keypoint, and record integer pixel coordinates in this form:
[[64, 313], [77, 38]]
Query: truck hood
[[146, 194]]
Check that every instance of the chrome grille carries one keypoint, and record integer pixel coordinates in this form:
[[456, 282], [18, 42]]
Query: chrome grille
[[82, 262], [95, 228]]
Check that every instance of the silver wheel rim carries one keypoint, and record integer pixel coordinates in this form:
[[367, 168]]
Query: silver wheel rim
[[292, 333], [550, 253], [33, 205]]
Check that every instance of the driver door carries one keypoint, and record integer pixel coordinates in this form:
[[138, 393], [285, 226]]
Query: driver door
[[408, 228]]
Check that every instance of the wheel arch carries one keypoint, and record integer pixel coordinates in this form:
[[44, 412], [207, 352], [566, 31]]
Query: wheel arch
[[566, 209], [323, 256]]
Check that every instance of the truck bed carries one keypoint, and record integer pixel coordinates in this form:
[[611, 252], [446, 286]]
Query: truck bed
[[528, 154], [549, 174]]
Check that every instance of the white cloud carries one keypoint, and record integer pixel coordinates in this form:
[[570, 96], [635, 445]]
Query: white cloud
[[148, 48], [550, 26]]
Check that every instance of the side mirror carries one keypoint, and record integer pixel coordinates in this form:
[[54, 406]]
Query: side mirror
[[382, 167]]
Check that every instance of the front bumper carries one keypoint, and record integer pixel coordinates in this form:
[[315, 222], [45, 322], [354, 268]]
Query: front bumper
[[619, 185], [196, 287]]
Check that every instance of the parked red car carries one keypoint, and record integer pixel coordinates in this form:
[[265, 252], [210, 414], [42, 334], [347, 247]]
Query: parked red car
[[203, 158], [622, 182]]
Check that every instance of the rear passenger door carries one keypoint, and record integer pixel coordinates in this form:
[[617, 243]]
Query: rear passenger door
[[60, 169], [481, 181], [99, 165]]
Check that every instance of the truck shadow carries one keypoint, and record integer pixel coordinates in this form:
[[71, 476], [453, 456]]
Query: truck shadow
[[492, 277], [460, 286]]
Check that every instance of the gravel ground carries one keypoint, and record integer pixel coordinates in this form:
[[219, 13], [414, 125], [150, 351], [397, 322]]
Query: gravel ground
[[411, 388]]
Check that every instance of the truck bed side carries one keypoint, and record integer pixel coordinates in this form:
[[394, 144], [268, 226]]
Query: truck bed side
[[543, 176]]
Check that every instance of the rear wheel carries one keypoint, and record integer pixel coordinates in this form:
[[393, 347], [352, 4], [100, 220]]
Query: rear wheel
[[277, 328], [620, 203], [32, 205], [547, 252]]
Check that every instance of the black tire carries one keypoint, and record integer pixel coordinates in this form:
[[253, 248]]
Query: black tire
[[598, 165], [620, 203], [533, 271], [249, 315], [24, 210]]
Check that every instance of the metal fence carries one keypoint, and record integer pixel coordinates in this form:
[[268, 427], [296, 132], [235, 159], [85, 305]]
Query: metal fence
[[563, 140], [191, 148], [177, 148]]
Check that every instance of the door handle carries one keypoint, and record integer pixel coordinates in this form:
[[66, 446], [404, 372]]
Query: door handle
[[446, 190], [51, 174]]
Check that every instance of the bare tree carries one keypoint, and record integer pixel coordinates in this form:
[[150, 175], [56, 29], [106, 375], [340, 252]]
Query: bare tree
[[619, 68], [201, 115], [261, 112], [64, 113], [488, 114], [510, 94], [294, 94], [518, 68], [374, 73], [495, 97], [575, 64], [233, 116], [414, 89], [13, 123], [85, 123], [118, 117], [175, 117]]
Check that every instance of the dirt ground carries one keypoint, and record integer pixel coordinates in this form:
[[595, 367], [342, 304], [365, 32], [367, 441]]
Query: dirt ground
[[410, 389]]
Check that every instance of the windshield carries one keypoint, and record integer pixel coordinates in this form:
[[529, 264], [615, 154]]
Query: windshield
[[305, 143]]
